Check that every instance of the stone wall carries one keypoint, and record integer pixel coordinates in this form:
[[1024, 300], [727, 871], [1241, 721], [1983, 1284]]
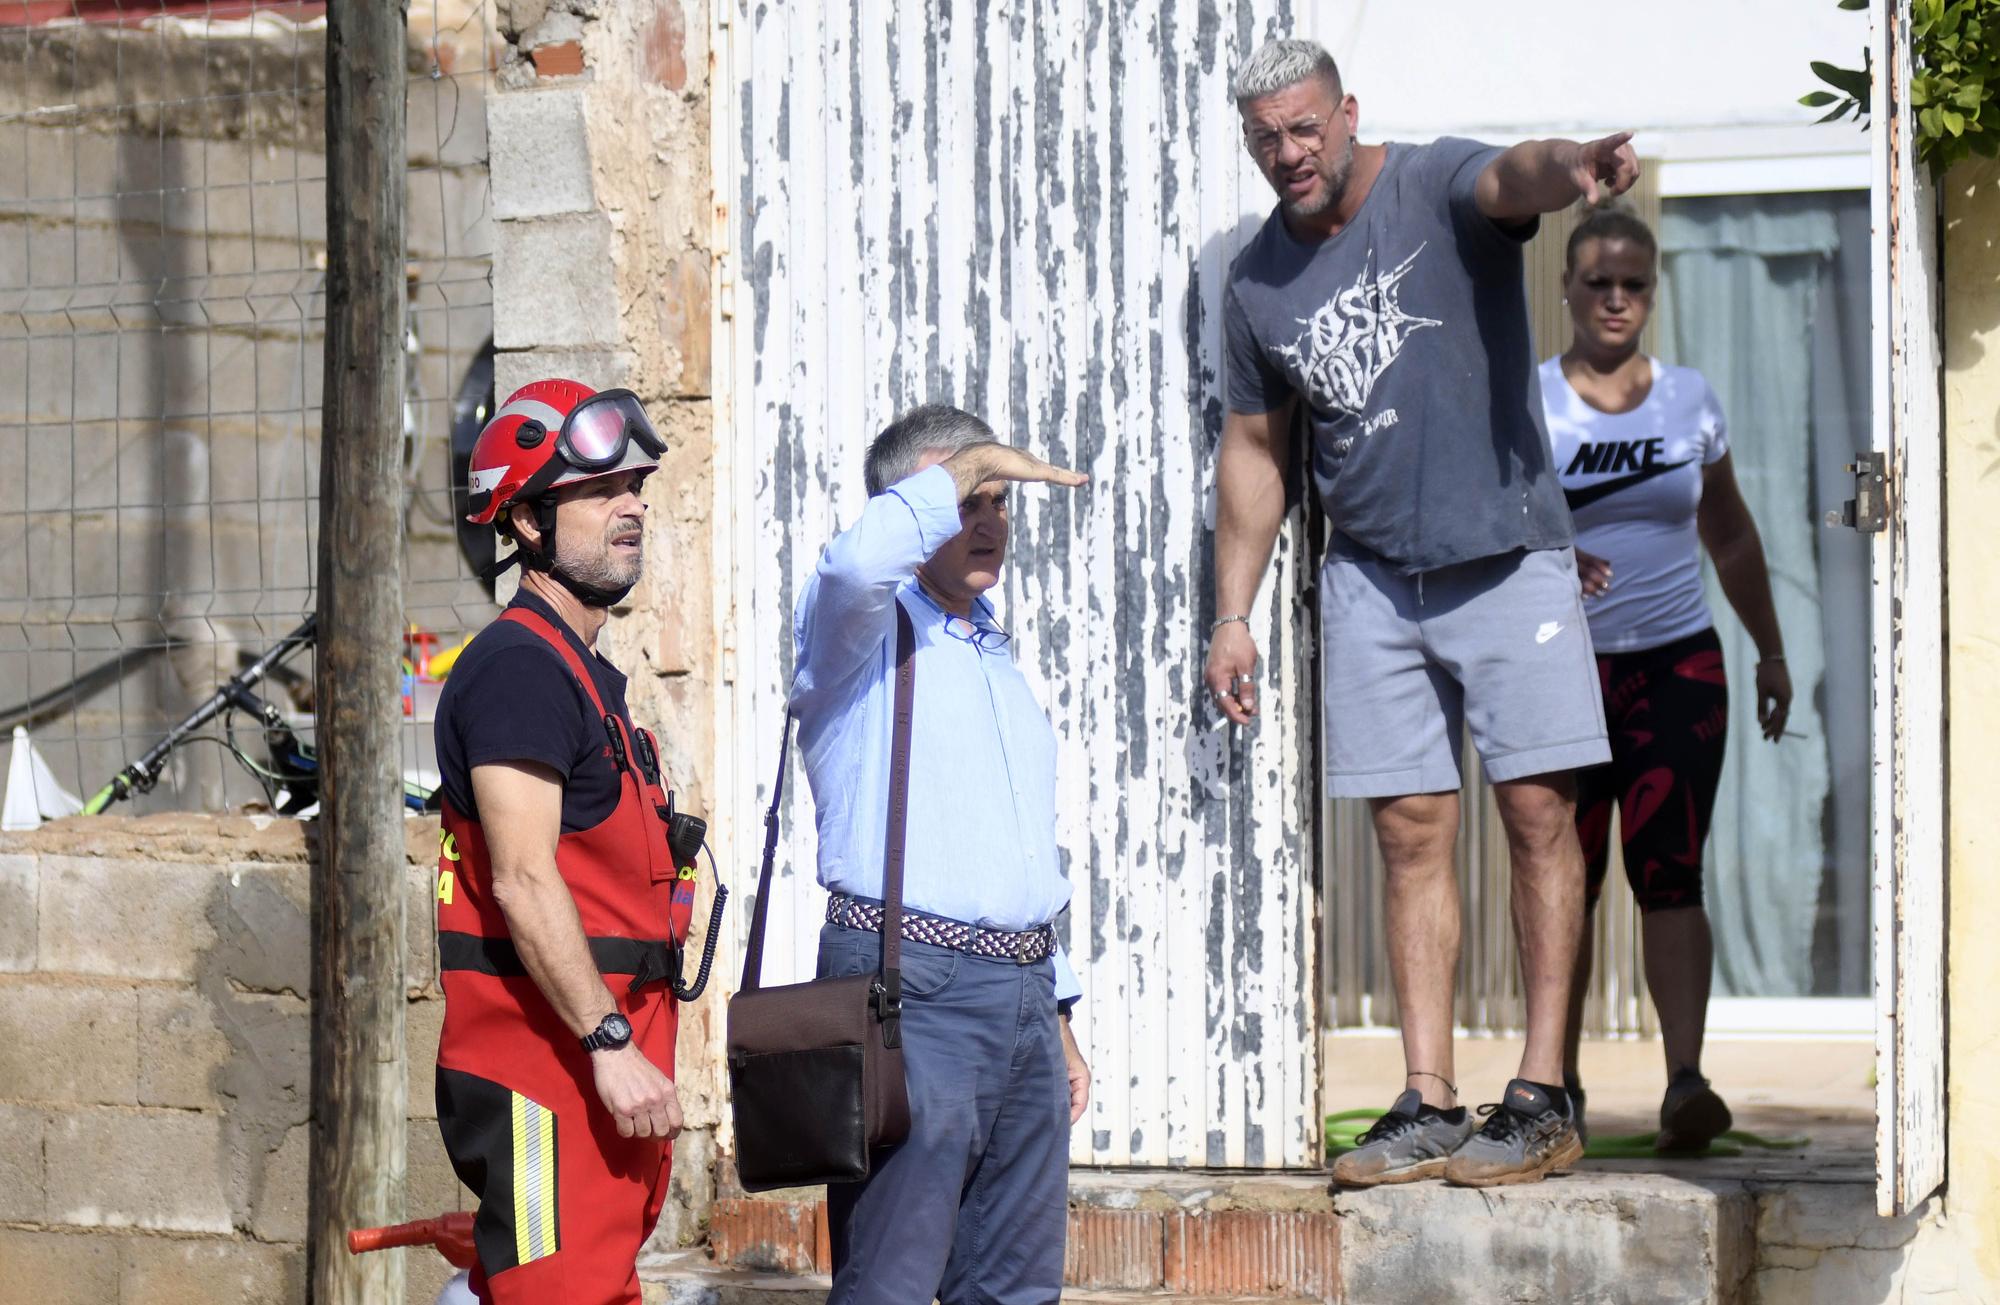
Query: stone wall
[[602, 212], [154, 1038]]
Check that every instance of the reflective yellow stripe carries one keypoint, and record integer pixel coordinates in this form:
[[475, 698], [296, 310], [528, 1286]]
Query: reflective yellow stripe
[[534, 1180], [547, 1119], [524, 1180]]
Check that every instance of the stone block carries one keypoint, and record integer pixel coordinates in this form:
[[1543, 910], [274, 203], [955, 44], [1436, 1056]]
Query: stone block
[[541, 153], [553, 284], [52, 1268], [22, 1169], [125, 918], [175, 1271], [20, 882], [420, 973], [600, 369], [68, 1042], [1638, 1239], [432, 1185], [278, 1209], [422, 1022], [157, 1169], [181, 1050]]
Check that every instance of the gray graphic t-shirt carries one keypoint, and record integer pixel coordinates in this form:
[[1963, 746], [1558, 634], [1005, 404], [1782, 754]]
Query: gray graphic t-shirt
[[1406, 337]]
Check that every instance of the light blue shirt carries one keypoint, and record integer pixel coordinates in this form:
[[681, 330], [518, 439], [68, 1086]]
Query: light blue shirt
[[981, 839]]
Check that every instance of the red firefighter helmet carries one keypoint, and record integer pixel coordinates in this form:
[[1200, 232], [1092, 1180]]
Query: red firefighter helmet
[[555, 433]]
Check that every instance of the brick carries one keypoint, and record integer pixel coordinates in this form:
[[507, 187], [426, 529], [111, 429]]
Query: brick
[[553, 284], [541, 153], [1114, 1248], [1253, 1252], [124, 918], [562, 59], [172, 1271], [665, 46], [278, 1210], [49, 1268], [20, 882], [69, 1043], [138, 1168], [22, 1171], [774, 1236], [181, 1050], [683, 307]]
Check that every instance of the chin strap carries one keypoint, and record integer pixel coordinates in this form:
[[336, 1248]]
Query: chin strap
[[529, 559]]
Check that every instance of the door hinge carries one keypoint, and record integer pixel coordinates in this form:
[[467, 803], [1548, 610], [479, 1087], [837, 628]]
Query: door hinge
[[1868, 510]]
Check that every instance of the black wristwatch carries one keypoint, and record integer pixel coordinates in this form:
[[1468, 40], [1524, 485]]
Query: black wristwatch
[[612, 1033]]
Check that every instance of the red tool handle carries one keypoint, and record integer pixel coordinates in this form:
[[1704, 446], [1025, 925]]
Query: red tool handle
[[450, 1233]]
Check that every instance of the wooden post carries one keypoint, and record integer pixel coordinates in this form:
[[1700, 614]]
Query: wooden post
[[358, 1080]]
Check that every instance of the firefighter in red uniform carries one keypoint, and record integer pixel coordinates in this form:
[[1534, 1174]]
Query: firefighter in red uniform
[[561, 913]]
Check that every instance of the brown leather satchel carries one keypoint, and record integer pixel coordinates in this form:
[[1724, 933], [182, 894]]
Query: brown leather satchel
[[816, 1069]]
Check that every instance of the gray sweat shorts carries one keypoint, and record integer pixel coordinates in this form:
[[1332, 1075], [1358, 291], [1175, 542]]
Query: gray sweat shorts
[[1499, 644]]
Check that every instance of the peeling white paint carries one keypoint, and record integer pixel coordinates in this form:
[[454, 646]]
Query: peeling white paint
[[1028, 210]]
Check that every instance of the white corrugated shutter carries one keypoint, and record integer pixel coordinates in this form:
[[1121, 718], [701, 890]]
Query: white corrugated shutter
[[1028, 210]]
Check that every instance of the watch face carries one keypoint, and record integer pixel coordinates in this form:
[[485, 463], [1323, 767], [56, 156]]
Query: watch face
[[616, 1027]]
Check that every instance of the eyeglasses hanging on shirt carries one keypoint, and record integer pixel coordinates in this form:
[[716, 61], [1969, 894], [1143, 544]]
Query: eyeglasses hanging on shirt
[[986, 638]]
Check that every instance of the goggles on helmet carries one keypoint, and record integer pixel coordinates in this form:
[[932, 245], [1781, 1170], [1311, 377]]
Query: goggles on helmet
[[598, 432]]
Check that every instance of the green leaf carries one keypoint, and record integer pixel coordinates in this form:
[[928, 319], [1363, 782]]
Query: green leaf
[[1970, 94], [1839, 112], [1853, 4], [1848, 81], [1954, 121], [1817, 99], [1928, 120]]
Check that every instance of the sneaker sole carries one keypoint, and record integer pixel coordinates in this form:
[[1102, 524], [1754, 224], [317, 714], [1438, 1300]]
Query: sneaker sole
[[1561, 1158], [1696, 1122], [1390, 1177]]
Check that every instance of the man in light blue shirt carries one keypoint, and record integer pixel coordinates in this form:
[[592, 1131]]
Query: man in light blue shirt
[[973, 1207]]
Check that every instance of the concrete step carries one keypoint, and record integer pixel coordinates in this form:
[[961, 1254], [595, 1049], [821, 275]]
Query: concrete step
[[692, 1278], [1671, 1232]]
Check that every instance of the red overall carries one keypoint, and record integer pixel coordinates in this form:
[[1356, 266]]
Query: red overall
[[564, 1202]]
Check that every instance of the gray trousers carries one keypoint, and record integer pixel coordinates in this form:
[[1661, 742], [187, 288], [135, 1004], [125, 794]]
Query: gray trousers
[[973, 1208]]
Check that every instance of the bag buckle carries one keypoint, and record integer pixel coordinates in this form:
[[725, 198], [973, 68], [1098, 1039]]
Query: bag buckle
[[887, 993]]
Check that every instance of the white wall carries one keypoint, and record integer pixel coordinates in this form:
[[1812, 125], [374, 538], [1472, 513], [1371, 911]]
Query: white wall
[[1711, 86]]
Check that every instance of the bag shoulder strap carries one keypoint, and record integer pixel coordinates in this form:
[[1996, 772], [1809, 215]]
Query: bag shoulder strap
[[889, 994], [892, 869]]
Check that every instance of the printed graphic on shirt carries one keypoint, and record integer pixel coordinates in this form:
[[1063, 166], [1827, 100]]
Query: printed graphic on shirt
[[1644, 459], [1352, 340]]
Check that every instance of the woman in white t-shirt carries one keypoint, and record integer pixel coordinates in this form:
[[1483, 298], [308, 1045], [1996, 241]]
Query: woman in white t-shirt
[[1643, 452]]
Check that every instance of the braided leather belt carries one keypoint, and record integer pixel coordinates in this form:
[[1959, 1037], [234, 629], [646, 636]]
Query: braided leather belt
[[1023, 948]]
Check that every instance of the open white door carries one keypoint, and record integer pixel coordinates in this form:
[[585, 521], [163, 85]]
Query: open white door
[[1908, 651]]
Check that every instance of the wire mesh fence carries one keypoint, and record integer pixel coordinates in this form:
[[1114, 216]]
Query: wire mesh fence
[[163, 216]]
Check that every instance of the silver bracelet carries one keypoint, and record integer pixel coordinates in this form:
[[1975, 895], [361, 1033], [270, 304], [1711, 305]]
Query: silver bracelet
[[1245, 618], [1774, 657]]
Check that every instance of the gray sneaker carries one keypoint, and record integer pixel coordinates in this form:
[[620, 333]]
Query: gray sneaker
[[1525, 1137], [1401, 1147]]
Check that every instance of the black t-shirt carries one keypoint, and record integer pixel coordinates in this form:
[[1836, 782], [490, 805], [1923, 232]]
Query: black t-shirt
[[511, 697]]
